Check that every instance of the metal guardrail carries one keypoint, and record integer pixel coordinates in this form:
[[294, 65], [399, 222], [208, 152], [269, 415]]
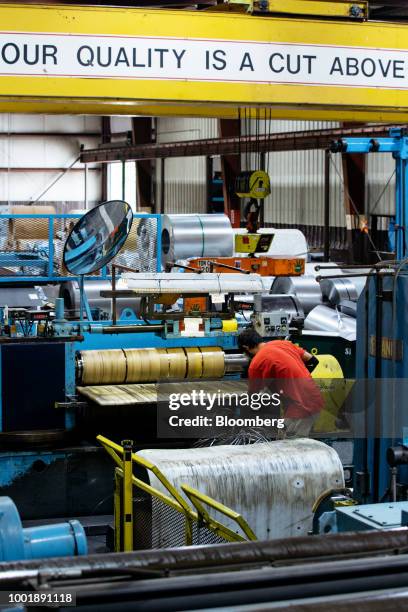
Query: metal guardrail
[[39, 262], [196, 516]]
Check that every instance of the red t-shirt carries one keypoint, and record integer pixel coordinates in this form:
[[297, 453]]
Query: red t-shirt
[[282, 360]]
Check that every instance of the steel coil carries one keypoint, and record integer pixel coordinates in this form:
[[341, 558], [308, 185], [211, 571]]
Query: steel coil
[[185, 236], [118, 366], [337, 289], [69, 291], [305, 288], [323, 318]]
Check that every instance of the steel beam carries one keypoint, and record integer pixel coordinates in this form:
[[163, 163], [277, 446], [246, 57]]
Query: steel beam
[[354, 172], [142, 135], [288, 141], [230, 168]]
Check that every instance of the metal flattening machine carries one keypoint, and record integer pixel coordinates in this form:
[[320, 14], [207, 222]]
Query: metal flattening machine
[[141, 327]]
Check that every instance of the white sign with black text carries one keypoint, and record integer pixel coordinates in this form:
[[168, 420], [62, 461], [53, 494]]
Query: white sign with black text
[[128, 57]]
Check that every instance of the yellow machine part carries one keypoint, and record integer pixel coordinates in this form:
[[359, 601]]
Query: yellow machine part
[[334, 388], [255, 185], [229, 325]]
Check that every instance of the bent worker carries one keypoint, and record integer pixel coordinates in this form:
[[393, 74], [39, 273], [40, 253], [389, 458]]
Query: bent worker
[[283, 363]]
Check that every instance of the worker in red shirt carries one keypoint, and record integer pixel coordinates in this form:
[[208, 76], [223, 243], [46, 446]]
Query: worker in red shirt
[[286, 368]]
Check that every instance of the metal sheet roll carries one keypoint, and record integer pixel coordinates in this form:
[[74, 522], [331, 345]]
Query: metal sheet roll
[[117, 366], [275, 302], [69, 291], [273, 485], [323, 318], [177, 363], [102, 367], [337, 289], [142, 365], [164, 363], [305, 288], [213, 361], [185, 236], [194, 362]]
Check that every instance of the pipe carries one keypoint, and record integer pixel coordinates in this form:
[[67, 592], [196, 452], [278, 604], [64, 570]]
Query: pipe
[[379, 297], [351, 544], [132, 329], [327, 206], [235, 362]]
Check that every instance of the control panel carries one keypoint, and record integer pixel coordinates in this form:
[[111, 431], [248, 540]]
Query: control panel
[[271, 324]]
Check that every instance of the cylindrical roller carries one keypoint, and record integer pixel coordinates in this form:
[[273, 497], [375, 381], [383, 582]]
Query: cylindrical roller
[[305, 288], [235, 362], [71, 294], [142, 365], [103, 367], [164, 363], [30, 229], [194, 362], [177, 363], [117, 366], [185, 236], [213, 361]]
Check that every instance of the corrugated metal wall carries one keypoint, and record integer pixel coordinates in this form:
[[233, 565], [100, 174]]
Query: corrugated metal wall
[[39, 153], [297, 178], [297, 181], [381, 184], [185, 179]]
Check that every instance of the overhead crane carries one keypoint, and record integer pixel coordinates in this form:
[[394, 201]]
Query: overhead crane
[[319, 60]]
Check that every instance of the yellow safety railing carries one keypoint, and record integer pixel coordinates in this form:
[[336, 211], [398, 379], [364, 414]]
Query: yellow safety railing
[[124, 481], [198, 499]]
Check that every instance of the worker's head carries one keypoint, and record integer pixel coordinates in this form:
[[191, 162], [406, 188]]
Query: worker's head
[[250, 341]]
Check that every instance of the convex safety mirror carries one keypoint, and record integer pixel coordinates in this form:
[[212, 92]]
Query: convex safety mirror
[[97, 237]]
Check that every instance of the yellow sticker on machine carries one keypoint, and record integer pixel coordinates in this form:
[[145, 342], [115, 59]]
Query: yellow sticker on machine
[[253, 243]]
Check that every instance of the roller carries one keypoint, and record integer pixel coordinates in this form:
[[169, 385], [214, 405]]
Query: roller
[[69, 291], [176, 283], [185, 236], [142, 364], [103, 367], [119, 366]]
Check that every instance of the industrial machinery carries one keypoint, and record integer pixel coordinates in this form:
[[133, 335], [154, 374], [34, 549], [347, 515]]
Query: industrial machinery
[[54, 540], [93, 352], [166, 333]]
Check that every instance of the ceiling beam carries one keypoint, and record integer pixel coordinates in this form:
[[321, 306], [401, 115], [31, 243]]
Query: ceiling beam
[[289, 141]]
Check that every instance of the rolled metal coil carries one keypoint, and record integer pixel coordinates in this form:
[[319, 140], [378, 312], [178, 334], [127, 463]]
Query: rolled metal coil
[[185, 236], [305, 288], [118, 366]]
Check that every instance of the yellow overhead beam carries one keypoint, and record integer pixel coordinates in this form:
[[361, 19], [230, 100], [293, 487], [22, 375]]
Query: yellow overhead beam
[[343, 9], [70, 59]]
